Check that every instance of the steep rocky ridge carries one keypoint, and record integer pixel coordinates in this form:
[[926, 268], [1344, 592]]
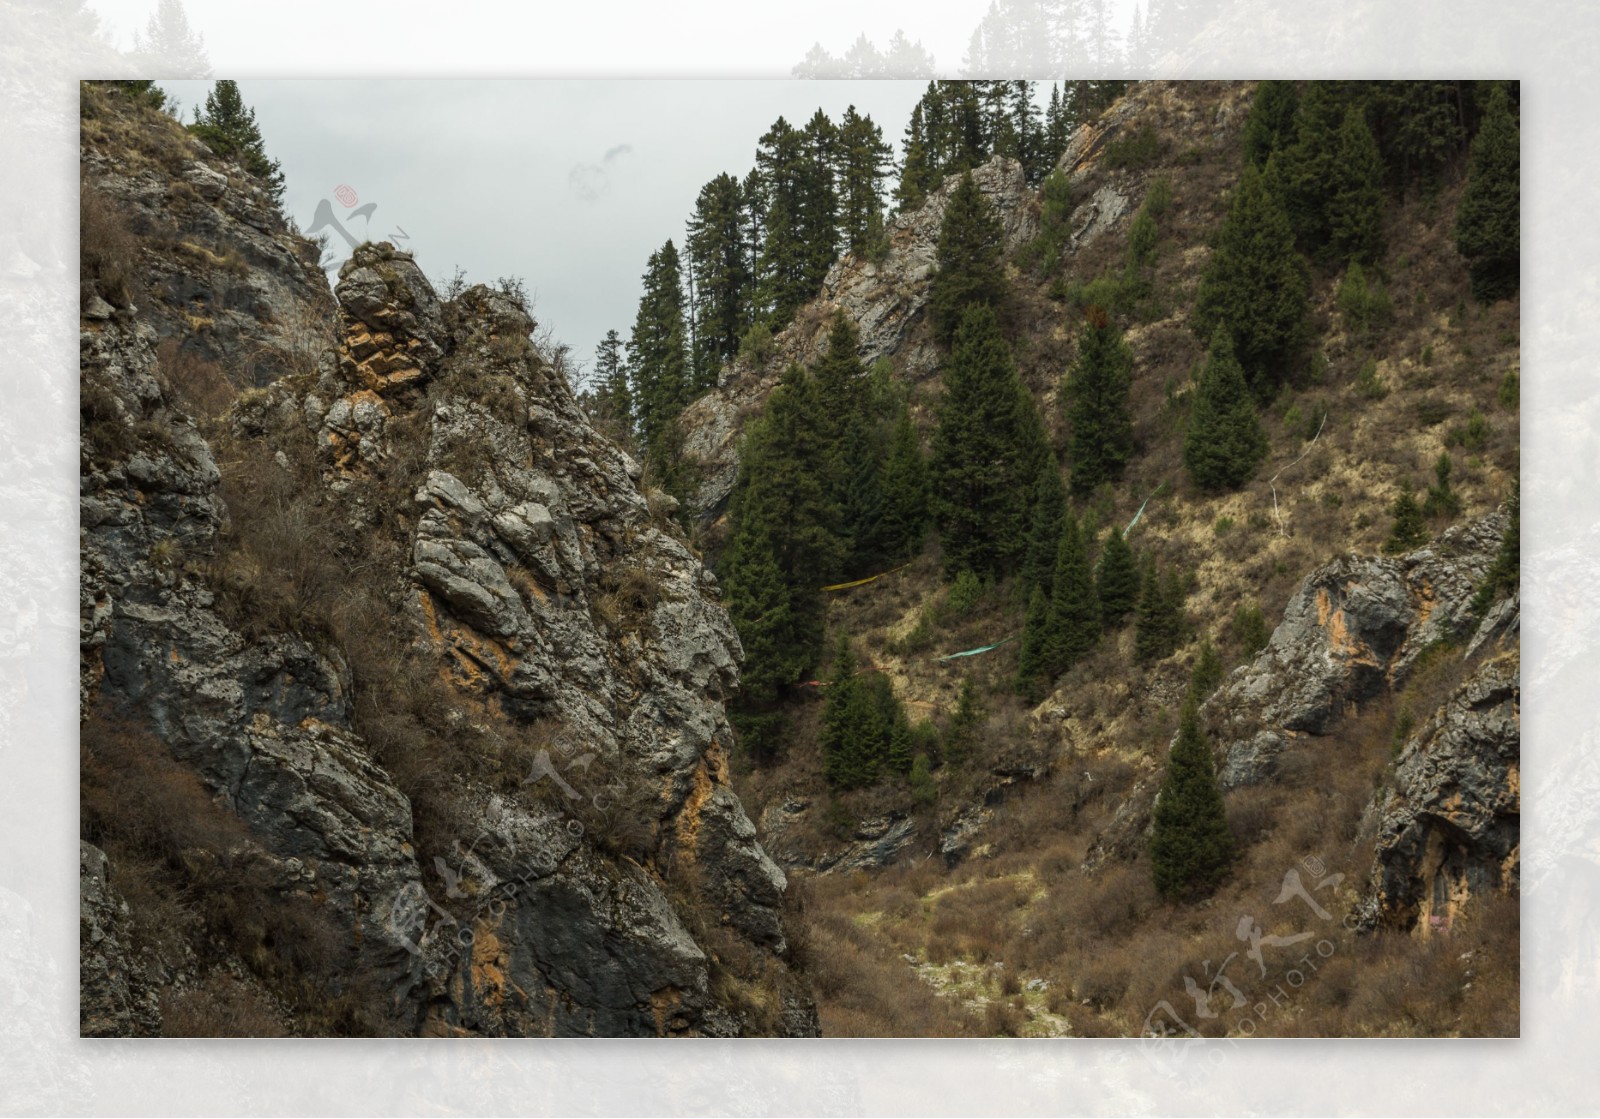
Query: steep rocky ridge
[[577, 862], [886, 300], [225, 276]]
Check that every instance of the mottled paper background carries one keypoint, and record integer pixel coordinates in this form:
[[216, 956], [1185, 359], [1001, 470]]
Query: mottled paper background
[[46, 1069]]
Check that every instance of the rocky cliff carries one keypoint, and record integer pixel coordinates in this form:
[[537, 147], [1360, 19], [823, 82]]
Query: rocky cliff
[[444, 685], [886, 300], [1352, 632]]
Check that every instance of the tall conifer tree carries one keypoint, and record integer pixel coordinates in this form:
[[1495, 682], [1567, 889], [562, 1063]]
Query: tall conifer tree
[[1097, 404], [658, 355], [1270, 126], [612, 395], [970, 268], [1489, 218], [719, 261], [982, 470], [1116, 579], [1191, 847], [905, 489], [1255, 285], [1224, 443], [1355, 196]]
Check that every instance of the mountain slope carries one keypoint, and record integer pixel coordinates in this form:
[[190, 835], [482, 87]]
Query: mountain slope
[[1028, 849]]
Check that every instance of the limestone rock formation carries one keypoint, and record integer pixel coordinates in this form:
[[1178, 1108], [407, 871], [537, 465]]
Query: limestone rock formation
[[886, 300], [114, 998], [871, 843], [1353, 630], [1450, 830], [596, 874]]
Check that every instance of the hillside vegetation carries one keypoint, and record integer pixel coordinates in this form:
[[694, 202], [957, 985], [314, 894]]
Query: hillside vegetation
[[1332, 369]]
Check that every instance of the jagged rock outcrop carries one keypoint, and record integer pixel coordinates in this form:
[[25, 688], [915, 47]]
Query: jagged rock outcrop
[[1353, 630], [221, 272], [265, 723], [1450, 828], [115, 999], [871, 844], [886, 300], [598, 875]]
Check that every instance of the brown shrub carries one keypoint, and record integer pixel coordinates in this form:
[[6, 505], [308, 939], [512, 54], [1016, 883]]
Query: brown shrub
[[108, 252], [220, 1007], [194, 384], [1101, 985], [1002, 1018], [135, 798], [1112, 902]]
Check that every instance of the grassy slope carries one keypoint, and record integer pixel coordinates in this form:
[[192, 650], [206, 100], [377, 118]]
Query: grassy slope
[[1105, 947]]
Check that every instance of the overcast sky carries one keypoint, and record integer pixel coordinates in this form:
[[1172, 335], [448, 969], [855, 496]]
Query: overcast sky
[[569, 184]]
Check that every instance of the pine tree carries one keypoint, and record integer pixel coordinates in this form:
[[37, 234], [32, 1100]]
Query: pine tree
[[981, 470], [1224, 443], [782, 283], [818, 224], [853, 734], [1046, 519], [613, 398], [1029, 132], [905, 490], [658, 356], [1489, 217], [863, 504], [1409, 530], [917, 174], [923, 789], [229, 129], [1074, 610], [897, 756], [863, 160], [1160, 614], [970, 270], [1309, 166], [1419, 127], [1355, 194], [777, 646], [719, 262], [1116, 579], [1442, 500], [1191, 847], [1207, 672], [840, 384], [1038, 642], [1056, 128], [785, 476], [1097, 404], [1270, 126], [782, 504], [1255, 285], [963, 720]]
